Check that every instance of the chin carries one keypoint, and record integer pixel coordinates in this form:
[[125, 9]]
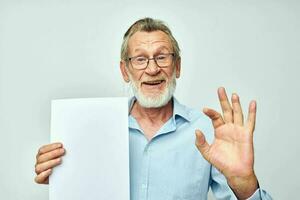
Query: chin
[[152, 96], [154, 100]]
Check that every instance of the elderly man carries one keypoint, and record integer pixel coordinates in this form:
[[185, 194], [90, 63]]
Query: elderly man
[[165, 163]]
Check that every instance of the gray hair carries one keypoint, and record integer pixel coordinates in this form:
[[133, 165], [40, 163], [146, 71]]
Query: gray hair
[[148, 25]]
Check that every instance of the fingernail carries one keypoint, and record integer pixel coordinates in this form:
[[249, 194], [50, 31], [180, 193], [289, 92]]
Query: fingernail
[[235, 96], [253, 104], [58, 145]]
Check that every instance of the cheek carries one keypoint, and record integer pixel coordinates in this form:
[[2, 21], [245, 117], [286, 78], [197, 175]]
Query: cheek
[[136, 76], [170, 73], [139, 76]]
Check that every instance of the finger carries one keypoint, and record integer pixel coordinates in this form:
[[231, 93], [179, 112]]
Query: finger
[[225, 105], [39, 168], [43, 178], [251, 116], [49, 147], [51, 155], [238, 117], [215, 117], [202, 145]]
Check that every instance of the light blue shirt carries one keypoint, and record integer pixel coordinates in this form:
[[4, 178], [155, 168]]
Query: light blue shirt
[[170, 167]]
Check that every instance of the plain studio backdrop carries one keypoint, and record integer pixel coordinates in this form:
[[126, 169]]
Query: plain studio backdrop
[[70, 49]]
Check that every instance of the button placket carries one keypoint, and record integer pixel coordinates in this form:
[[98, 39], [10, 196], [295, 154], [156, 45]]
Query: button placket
[[145, 173]]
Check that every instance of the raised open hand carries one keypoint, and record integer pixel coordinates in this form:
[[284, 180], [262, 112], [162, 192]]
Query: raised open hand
[[232, 149]]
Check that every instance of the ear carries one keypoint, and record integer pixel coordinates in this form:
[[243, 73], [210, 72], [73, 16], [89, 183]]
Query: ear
[[178, 67], [124, 71]]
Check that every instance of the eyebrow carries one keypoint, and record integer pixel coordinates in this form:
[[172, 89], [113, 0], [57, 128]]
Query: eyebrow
[[160, 48]]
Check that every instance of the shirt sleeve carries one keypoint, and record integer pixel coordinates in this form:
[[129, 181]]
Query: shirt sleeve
[[221, 189], [260, 194]]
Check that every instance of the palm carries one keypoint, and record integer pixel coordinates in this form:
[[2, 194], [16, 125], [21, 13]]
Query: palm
[[232, 149]]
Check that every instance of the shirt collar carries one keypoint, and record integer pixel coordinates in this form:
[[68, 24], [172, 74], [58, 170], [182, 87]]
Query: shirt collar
[[180, 110]]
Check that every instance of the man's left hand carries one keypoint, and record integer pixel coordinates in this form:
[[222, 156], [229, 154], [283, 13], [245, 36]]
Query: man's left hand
[[232, 149]]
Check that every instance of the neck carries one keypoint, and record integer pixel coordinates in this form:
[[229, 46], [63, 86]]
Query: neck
[[153, 115]]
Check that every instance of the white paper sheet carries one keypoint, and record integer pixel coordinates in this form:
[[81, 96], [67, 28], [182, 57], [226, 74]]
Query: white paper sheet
[[94, 132]]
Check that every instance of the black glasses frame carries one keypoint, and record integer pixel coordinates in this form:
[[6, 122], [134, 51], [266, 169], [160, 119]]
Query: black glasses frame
[[148, 60]]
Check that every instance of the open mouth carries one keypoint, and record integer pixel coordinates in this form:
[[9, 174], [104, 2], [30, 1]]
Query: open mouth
[[153, 83]]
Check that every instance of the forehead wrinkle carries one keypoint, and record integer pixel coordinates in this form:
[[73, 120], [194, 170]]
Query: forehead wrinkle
[[148, 42], [158, 49], [149, 45]]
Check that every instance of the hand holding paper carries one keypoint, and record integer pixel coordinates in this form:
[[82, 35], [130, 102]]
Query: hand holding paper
[[47, 158], [95, 134]]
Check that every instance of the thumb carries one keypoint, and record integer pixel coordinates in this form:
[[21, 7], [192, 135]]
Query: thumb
[[201, 144]]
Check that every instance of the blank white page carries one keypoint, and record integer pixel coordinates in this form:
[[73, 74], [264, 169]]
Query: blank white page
[[94, 132]]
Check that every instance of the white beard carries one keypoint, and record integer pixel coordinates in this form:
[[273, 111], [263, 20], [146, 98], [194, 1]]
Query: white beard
[[158, 100]]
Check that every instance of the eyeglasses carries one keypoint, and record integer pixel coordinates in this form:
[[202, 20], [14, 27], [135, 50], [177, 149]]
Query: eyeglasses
[[161, 60]]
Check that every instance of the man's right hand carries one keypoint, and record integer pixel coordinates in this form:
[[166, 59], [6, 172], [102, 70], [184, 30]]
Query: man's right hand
[[47, 157]]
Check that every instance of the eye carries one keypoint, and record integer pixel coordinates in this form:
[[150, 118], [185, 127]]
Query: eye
[[140, 59], [161, 57]]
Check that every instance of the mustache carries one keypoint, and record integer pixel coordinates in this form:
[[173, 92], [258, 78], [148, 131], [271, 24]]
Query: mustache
[[153, 79], [160, 77]]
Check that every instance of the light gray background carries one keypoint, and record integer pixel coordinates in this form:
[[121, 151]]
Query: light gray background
[[64, 49]]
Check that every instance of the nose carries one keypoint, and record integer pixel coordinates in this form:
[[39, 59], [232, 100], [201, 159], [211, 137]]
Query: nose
[[152, 68]]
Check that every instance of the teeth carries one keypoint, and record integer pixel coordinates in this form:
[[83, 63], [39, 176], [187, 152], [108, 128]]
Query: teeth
[[153, 82]]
